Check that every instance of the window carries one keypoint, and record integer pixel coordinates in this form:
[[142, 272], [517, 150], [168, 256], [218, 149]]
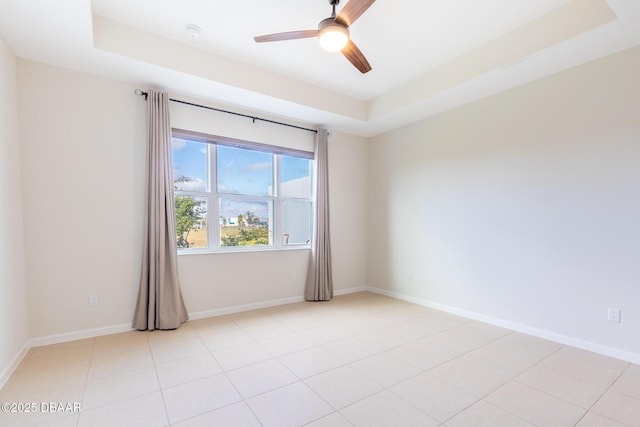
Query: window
[[240, 194]]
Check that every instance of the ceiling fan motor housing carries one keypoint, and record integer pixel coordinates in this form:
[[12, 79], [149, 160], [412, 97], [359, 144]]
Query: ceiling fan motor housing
[[325, 24]]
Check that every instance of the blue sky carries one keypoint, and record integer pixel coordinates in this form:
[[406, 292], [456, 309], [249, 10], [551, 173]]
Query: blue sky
[[190, 160], [239, 172], [244, 171]]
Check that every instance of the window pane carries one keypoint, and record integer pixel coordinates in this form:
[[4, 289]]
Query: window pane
[[190, 165], [244, 222], [243, 171], [191, 221], [295, 177], [297, 223]]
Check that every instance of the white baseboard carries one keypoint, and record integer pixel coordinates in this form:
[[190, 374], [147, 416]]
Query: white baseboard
[[264, 304], [79, 335], [540, 333], [244, 307], [125, 327], [8, 371], [347, 291]]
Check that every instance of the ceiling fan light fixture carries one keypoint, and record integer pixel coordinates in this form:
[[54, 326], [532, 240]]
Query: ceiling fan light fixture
[[332, 36], [333, 33]]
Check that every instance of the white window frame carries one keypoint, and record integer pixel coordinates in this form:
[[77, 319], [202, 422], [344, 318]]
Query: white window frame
[[213, 197]]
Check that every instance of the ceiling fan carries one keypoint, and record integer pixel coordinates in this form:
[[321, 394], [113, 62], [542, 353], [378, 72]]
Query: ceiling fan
[[333, 33]]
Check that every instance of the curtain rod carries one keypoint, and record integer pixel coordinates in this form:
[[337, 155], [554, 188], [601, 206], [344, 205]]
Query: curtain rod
[[254, 118]]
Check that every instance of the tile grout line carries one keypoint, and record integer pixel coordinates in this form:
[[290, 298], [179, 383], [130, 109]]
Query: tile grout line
[[603, 394], [86, 380], [155, 369]]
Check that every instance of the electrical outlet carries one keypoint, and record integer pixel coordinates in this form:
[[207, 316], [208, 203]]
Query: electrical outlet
[[93, 300], [613, 315]]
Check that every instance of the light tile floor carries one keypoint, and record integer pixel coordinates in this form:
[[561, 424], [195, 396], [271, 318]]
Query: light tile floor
[[359, 360]]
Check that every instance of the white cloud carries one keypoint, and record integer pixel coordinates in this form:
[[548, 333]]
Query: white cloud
[[223, 188], [257, 167], [192, 184], [178, 144]]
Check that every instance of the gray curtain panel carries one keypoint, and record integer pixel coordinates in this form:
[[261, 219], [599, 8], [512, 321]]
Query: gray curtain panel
[[319, 281], [160, 304]]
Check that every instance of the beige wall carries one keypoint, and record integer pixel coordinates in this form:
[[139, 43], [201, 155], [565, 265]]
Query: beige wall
[[13, 290], [348, 204], [522, 208], [83, 142]]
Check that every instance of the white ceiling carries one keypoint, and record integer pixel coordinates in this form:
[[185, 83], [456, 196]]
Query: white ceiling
[[427, 55]]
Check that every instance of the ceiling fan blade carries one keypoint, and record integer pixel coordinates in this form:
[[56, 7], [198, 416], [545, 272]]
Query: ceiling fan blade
[[352, 11], [355, 56], [290, 35]]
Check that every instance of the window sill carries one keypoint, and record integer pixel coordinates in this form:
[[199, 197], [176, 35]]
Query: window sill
[[232, 250]]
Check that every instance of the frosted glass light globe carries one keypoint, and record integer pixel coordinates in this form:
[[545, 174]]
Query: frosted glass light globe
[[332, 36]]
